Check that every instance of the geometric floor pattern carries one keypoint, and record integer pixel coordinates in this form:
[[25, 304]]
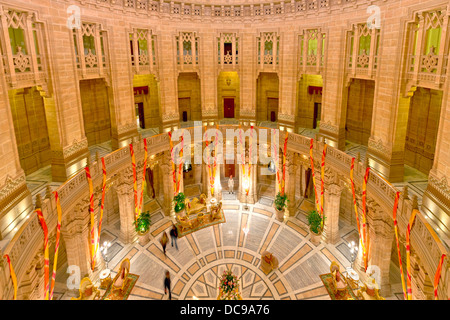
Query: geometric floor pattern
[[204, 255]]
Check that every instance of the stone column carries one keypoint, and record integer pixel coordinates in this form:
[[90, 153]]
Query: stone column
[[332, 199], [75, 232], [125, 195], [218, 185], [167, 184]]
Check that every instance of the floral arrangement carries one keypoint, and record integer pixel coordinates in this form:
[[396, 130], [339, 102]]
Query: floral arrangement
[[229, 284]]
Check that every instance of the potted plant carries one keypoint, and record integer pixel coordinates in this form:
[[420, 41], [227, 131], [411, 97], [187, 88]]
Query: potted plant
[[179, 202], [280, 205], [315, 223], [142, 227]]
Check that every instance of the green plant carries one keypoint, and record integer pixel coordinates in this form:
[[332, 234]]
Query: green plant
[[179, 202], [315, 221], [143, 222], [280, 201]]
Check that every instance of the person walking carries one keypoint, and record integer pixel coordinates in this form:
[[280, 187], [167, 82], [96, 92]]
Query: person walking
[[231, 185], [164, 240], [167, 285], [174, 236]]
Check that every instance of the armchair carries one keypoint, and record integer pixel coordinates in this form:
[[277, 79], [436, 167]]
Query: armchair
[[120, 280], [184, 222], [339, 282], [216, 212], [87, 290], [196, 206]]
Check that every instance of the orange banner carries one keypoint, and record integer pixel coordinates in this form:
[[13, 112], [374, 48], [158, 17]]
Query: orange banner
[[141, 200], [58, 236], [437, 276], [174, 171], [212, 169], [397, 197], [364, 215], [91, 210], [283, 178], [133, 163], [102, 207], [313, 174], [13, 275], [408, 254], [363, 246], [322, 179], [46, 253]]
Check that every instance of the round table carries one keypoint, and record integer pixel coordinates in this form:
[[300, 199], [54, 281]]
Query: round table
[[105, 279], [353, 276]]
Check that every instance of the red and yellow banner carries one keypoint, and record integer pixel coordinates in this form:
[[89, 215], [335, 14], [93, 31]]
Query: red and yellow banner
[[322, 179], [311, 148], [13, 275], [397, 197], [365, 234], [283, 178], [174, 171], [212, 169], [91, 210], [363, 247], [102, 207], [250, 153], [176, 182], [46, 253], [141, 200], [58, 236], [437, 276], [133, 163], [408, 254]]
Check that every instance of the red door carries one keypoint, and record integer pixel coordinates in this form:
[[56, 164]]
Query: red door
[[228, 107]]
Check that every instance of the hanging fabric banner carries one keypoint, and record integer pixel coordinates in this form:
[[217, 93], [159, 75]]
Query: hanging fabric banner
[[58, 236], [363, 247], [141, 200], [213, 180], [283, 179], [322, 179], [250, 153], [242, 149], [211, 168], [13, 275], [102, 207], [91, 210], [408, 254], [313, 174], [364, 215], [174, 171], [180, 166], [46, 253], [437, 276], [397, 197], [133, 163]]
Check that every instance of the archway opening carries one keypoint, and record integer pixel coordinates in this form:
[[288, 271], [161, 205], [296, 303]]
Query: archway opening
[[96, 111], [309, 101], [228, 95], [189, 98], [30, 128], [147, 102], [358, 123], [267, 97]]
